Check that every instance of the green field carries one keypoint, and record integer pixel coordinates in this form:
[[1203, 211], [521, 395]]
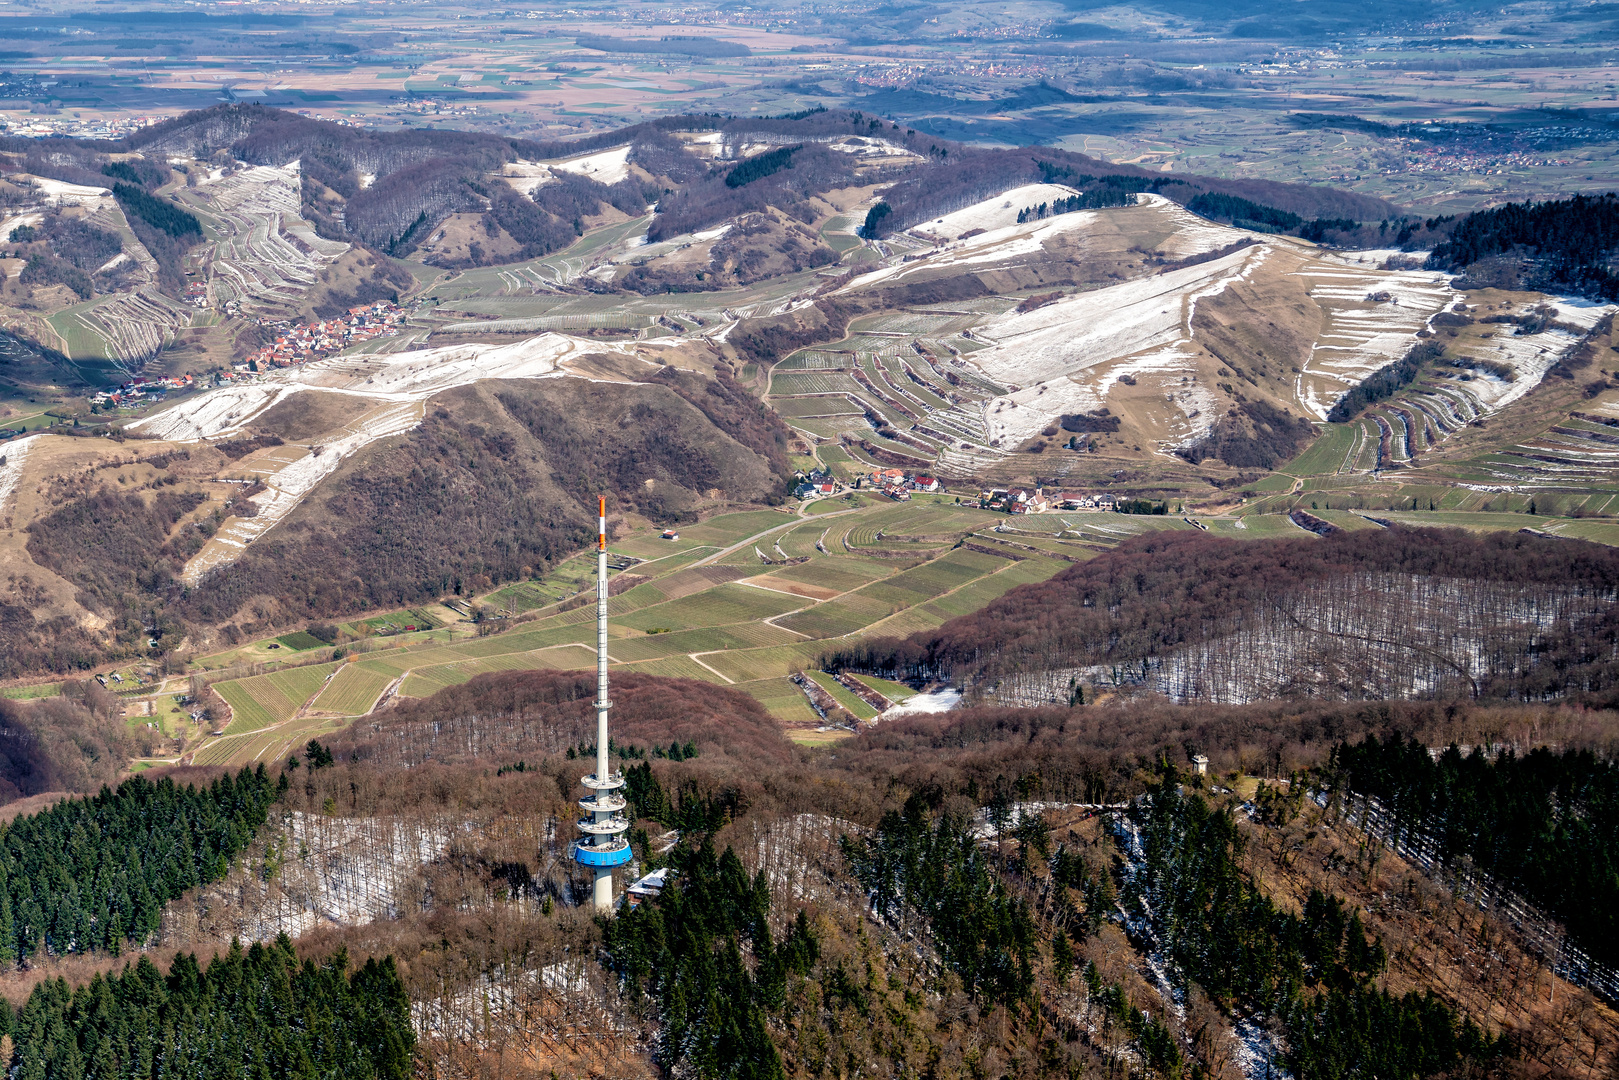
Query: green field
[[300, 641], [31, 693], [893, 691], [842, 695], [1327, 454], [352, 691], [254, 704], [887, 569]]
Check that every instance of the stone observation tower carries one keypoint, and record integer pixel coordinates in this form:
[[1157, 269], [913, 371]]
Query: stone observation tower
[[603, 846]]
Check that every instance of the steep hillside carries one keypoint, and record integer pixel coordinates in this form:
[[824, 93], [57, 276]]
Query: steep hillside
[[323, 504]]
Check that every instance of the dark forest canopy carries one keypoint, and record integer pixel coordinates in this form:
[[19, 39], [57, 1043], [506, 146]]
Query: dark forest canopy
[[1156, 595], [89, 874], [1570, 243], [1543, 823], [253, 1013]]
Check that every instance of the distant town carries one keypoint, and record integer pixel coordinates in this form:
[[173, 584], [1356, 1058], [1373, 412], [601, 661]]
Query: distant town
[[295, 345], [897, 484]]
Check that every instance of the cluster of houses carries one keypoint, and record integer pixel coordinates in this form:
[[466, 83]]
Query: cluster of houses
[[817, 484], [140, 390], [312, 341], [1037, 500], [897, 484]]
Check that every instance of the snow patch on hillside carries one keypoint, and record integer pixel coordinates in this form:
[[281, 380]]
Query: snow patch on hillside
[[1080, 331], [1373, 316], [396, 377], [11, 472], [288, 487], [607, 167], [996, 213], [397, 383], [998, 245], [1068, 356]]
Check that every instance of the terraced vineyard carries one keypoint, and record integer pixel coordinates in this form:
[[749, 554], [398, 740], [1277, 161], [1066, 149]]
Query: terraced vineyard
[[265, 256]]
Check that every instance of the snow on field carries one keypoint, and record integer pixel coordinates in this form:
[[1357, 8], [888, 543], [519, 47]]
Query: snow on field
[[32, 217], [525, 176], [868, 147], [65, 194], [607, 167], [996, 213], [997, 245], [1068, 356], [135, 325], [1373, 316], [403, 376], [1082, 330], [935, 701], [1194, 235], [14, 453], [1582, 313]]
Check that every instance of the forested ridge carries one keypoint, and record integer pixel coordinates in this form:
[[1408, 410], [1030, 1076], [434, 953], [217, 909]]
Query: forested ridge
[[92, 874], [1191, 615], [1543, 823], [924, 898], [254, 1013], [1571, 241]]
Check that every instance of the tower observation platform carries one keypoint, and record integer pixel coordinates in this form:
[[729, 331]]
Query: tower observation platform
[[603, 846]]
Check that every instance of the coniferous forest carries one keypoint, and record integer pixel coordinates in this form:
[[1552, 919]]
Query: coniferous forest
[[252, 1013], [91, 874], [1314, 970], [1543, 822]]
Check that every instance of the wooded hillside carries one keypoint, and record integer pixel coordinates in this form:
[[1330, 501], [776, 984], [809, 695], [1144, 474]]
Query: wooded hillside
[[1385, 614]]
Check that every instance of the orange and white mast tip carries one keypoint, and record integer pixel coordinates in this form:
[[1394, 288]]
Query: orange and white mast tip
[[601, 535]]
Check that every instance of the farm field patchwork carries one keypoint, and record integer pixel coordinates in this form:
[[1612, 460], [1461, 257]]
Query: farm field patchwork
[[883, 569]]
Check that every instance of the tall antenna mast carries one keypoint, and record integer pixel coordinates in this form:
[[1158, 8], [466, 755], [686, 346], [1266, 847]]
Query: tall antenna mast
[[604, 846]]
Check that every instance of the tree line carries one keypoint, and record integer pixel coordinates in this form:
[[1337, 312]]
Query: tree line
[[1544, 823], [1193, 616], [1095, 199], [91, 874], [1385, 382], [252, 1013]]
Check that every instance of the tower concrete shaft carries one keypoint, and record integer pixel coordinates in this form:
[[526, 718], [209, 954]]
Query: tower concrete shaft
[[606, 825]]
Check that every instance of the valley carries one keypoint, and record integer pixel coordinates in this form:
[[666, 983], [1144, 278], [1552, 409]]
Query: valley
[[1111, 521]]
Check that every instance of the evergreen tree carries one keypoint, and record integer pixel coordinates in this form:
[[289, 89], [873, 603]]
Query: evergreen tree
[[90, 873]]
